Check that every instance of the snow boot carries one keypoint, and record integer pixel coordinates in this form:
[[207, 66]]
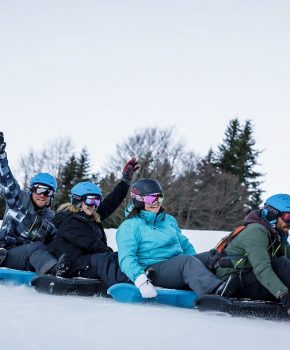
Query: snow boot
[[63, 266]]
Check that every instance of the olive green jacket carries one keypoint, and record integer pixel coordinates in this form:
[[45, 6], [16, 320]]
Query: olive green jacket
[[253, 248]]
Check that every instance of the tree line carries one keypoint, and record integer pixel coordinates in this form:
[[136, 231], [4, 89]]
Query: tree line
[[210, 192]]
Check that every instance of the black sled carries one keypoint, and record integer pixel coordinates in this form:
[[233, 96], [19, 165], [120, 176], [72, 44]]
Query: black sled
[[242, 307], [69, 286]]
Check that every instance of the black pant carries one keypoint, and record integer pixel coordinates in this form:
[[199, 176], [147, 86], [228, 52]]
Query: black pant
[[101, 265], [253, 289], [30, 257]]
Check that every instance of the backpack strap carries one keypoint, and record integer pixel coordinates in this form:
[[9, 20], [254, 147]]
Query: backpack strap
[[223, 243]]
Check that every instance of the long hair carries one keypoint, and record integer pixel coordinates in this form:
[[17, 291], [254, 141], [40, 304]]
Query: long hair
[[74, 209]]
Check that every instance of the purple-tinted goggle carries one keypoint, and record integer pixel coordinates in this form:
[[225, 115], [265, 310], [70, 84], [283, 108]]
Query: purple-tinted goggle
[[92, 201], [149, 198]]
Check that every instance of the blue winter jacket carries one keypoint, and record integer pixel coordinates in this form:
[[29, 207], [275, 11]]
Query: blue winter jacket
[[147, 239]]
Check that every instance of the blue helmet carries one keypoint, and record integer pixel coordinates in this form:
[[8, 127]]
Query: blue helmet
[[44, 179], [79, 192], [275, 206]]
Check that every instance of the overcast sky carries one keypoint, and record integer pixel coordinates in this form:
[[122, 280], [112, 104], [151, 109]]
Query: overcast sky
[[98, 70]]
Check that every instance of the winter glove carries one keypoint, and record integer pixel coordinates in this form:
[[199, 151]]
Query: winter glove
[[2, 143], [131, 166], [285, 301], [145, 287]]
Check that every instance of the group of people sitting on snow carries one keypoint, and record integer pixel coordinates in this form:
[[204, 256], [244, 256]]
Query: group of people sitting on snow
[[253, 262]]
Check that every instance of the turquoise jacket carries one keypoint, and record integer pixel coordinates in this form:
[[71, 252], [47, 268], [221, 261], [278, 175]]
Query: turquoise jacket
[[147, 239]]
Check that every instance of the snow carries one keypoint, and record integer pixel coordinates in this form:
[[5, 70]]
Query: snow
[[34, 321]]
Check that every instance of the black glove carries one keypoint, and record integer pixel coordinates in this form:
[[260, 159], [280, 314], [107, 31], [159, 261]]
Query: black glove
[[285, 301], [131, 166], [2, 143]]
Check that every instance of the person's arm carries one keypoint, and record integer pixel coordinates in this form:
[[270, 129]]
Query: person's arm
[[114, 199], [9, 187], [128, 238], [186, 246]]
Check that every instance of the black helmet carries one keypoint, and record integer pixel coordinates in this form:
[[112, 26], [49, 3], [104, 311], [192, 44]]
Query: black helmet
[[144, 187]]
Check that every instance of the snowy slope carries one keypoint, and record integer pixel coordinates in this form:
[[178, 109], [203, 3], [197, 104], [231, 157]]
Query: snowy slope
[[32, 321]]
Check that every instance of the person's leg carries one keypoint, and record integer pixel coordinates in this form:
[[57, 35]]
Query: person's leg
[[183, 272], [40, 259], [253, 289], [17, 258], [281, 266], [106, 267]]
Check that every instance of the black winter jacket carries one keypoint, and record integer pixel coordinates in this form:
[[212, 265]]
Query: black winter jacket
[[77, 234]]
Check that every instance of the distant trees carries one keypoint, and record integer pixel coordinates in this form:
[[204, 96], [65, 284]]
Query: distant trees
[[213, 192]]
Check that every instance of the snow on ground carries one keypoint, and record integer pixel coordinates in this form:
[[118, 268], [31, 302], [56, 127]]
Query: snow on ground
[[33, 321]]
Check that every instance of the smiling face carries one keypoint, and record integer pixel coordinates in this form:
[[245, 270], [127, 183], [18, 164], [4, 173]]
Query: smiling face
[[88, 210], [40, 200]]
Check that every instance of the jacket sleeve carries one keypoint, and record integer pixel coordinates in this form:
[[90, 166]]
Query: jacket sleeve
[[113, 200], [187, 247], [128, 238], [255, 245], [9, 187]]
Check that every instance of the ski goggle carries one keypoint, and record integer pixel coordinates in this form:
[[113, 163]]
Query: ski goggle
[[45, 191], [286, 217], [150, 199], [92, 201]]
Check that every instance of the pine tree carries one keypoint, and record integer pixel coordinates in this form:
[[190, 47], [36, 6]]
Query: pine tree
[[75, 170], [83, 166], [238, 157]]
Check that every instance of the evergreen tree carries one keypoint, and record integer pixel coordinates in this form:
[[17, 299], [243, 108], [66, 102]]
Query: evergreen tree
[[74, 171], [83, 167], [238, 157]]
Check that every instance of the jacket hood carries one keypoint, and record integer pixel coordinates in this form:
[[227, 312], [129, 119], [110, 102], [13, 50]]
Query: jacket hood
[[254, 217]]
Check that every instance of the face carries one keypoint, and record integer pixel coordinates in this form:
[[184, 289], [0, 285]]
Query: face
[[41, 195], [151, 208], [40, 200], [88, 210], [153, 202], [283, 226]]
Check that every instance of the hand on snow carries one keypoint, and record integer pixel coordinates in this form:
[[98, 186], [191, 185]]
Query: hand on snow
[[131, 166], [285, 300], [146, 288], [2, 143]]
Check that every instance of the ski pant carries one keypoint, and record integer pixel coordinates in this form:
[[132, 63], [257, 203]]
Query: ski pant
[[253, 289], [102, 265], [185, 272], [30, 257]]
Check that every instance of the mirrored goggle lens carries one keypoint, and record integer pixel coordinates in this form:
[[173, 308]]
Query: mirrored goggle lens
[[153, 198], [46, 191], [92, 201], [286, 217]]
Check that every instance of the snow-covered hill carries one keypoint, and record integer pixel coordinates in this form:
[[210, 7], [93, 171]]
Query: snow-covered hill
[[33, 321]]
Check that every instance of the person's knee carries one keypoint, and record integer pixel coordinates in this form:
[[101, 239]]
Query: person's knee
[[32, 247]]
